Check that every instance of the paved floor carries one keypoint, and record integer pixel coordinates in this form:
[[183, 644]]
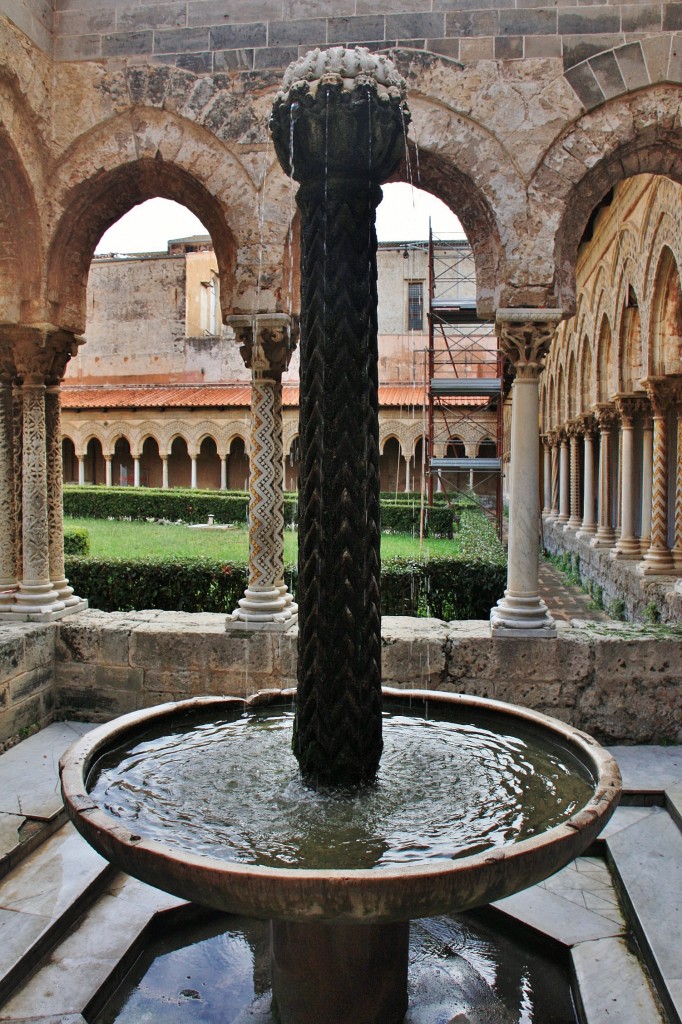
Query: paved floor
[[564, 600]]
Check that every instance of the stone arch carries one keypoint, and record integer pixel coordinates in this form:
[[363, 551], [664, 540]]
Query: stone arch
[[123, 163], [21, 244], [665, 324], [605, 362], [572, 395], [631, 134], [560, 418], [454, 152], [586, 377]]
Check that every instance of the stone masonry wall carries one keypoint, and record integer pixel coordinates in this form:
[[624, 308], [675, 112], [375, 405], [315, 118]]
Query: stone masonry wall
[[218, 35], [620, 689], [27, 690], [34, 17]]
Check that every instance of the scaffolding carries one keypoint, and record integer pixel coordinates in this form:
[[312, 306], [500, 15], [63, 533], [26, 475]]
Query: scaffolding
[[464, 379]]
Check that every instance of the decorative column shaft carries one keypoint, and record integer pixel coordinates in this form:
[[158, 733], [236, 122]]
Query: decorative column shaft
[[605, 536], [338, 125], [647, 482], [81, 469], [658, 559], [164, 472], [628, 545], [136, 471], [554, 441], [267, 341], [564, 480], [9, 570], [525, 336], [55, 513], [193, 476], [575, 430], [589, 523], [677, 546], [547, 476]]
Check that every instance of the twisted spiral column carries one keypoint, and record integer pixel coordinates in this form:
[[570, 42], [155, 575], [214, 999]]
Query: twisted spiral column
[[647, 482], [525, 336], [659, 560], [554, 441]]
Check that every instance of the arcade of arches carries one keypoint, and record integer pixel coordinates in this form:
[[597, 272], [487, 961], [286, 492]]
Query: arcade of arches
[[534, 131]]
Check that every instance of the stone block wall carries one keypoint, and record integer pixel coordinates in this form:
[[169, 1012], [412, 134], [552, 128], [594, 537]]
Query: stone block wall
[[34, 18], [620, 688], [219, 35], [27, 694]]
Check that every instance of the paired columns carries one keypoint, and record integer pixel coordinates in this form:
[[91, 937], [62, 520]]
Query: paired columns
[[525, 336], [267, 341], [32, 581]]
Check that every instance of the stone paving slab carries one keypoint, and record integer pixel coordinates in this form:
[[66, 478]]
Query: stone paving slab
[[648, 861], [29, 772], [647, 768], [612, 985], [82, 963], [42, 896], [673, 802], [623, 818], [556, 917]]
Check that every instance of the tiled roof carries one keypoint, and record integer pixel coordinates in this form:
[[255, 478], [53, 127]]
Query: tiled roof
[[235, 395]]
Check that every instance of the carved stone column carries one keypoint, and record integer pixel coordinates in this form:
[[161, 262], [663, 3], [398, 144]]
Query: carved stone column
[[164, 472], [525, 336], [575, 432], [9, 568], [555, 443], [659, 560], [589, 523], [267, 341], [546, 475], [628, 546], [647, 482], [564, 479], [605, 537], [677, 546]]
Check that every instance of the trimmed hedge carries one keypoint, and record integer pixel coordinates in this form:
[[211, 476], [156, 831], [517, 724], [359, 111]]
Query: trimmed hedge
[[76, 541], [177, 503], [465, 586], [195, 506]]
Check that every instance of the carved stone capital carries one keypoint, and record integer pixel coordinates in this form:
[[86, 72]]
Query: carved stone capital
[[42, 352], [525, 336], [606, 416], [575, 428], [266, 340], [629, 406], [663, 392], [589, 425]]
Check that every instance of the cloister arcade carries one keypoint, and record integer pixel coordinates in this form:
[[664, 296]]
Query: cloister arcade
[[523, 148]]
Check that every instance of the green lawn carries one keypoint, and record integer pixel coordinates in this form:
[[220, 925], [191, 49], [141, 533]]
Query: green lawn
[[117, 539]]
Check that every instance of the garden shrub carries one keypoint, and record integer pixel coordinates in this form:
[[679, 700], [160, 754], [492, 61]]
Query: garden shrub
[[76, 540]]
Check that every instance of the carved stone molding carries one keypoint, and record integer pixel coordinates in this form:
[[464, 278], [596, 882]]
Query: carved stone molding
[[266, 341], [525, 336], [629, 407]]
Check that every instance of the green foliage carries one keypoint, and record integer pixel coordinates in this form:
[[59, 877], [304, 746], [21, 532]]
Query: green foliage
[[568, 564], [652, 614], [76, 540], [597, 596], [617, 610]]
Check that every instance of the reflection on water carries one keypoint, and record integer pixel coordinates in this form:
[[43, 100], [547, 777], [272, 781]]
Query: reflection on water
[[445, 789], [217, 972]]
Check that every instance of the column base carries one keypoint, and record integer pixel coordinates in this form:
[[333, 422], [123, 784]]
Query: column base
[[657, 562], [37, 597], [263, 609], [603, 539], [586, 532], [627, 548], [516, 616], [573, 524], [66, 593], [339, 973], [16, 614]]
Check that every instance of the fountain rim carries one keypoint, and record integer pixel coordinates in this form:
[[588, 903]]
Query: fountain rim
[[116, 842]]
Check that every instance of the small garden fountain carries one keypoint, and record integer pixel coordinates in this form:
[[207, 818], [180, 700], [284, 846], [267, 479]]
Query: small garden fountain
[[193, 797]]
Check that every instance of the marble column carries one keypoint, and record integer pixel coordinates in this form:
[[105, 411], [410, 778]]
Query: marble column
[[605, 536], [136, 471], [164, 472], [525, 336], [223, 472], [546, 476], [628, 546], [107, 470], [193, 477], [575, 431], [554, 441], [564, 479], [9, 569], [267, 342], [408, 473], [658, 560], [81, 469], [647, 482], [589, 524]]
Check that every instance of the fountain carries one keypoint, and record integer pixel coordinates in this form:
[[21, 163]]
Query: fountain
[[194, 797]]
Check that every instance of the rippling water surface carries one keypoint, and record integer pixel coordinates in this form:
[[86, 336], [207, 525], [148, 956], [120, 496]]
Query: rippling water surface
[[232, 789]]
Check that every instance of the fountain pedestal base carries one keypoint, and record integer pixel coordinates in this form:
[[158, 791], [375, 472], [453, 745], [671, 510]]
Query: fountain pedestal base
[[339, 973]]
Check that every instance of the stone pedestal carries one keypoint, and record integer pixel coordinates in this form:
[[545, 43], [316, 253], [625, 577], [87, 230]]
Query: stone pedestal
[[267, 342], [525, 336], [339, 973]]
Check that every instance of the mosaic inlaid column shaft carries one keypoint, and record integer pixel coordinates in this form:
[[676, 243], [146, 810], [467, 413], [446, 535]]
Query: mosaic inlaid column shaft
[[659, 559]]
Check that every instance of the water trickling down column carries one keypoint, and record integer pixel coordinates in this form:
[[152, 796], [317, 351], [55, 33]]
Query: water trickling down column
[[338, 125], [267, 341]]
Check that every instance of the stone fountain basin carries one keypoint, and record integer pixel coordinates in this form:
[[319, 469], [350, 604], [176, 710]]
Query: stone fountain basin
[[378, 896]]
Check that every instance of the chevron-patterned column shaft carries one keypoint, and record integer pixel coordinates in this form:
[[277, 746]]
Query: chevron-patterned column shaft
[[678, 493], [338, 725], [555, 479], [266, 519], [659, 500]]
